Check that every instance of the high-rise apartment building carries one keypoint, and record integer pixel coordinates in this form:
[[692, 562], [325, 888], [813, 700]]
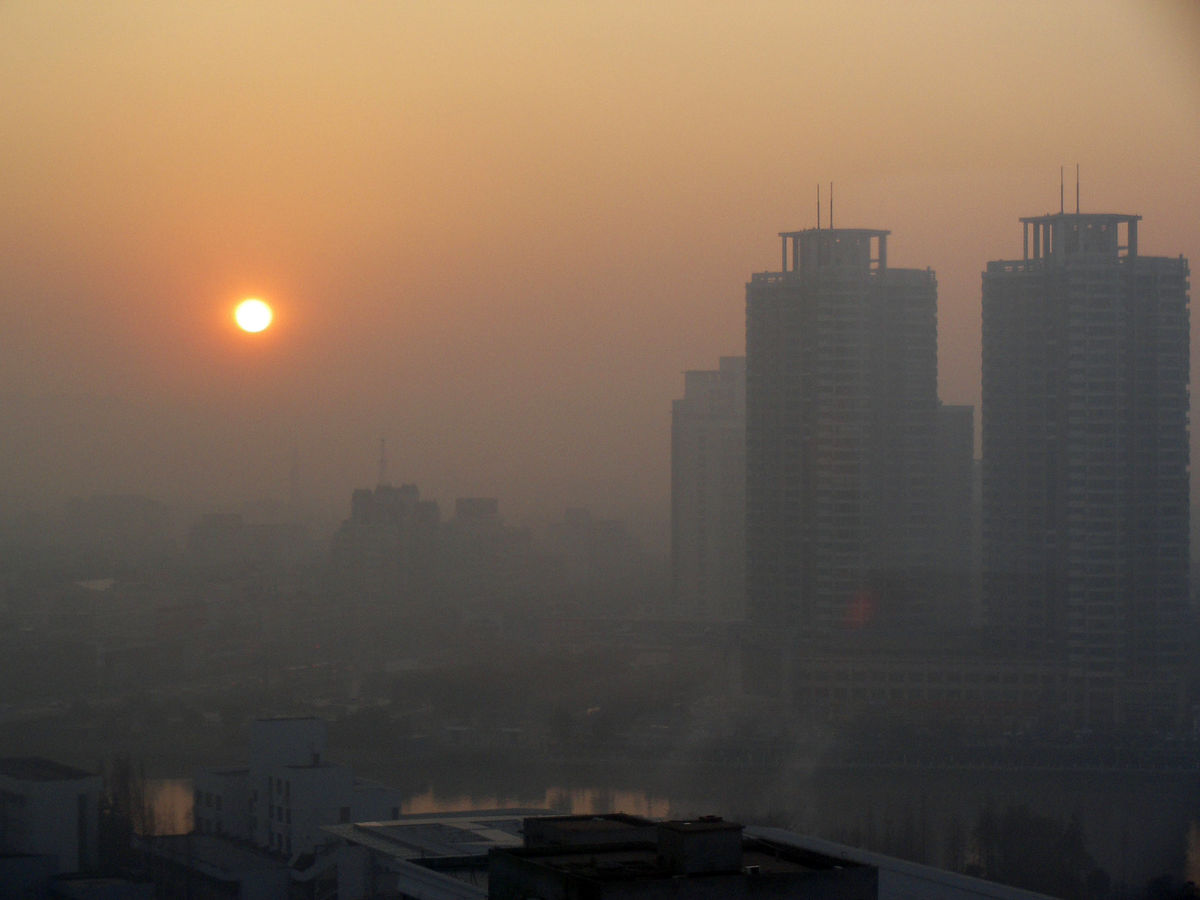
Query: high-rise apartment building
[[708, 494], [1085, 455], [841, 426]]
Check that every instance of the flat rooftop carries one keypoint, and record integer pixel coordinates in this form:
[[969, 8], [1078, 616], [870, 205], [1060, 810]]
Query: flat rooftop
[[35, 768], [902, 878], [642, 861], [447, 835], [214, 855]]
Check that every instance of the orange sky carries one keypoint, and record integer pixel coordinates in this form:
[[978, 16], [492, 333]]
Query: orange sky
[[497, 233]]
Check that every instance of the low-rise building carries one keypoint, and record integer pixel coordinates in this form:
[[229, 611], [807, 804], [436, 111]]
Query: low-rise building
[[435, 856], [201, 865], [50, 809], [289, 790]]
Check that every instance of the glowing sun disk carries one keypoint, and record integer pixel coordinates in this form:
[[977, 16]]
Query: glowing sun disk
[[253, 315]]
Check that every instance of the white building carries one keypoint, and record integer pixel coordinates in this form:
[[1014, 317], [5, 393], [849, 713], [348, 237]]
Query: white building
[[281, 800], [51, 810]]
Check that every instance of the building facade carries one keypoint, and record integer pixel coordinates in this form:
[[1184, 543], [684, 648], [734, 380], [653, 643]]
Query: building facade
[[50, 810], [386, 552], [708, 494], [1085, 462], [841, 417], [287, 793]]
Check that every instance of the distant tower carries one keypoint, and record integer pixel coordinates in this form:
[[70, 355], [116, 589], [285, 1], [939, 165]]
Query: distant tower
[[841, 419], [387, 550], [1085, 462], [708, 493]]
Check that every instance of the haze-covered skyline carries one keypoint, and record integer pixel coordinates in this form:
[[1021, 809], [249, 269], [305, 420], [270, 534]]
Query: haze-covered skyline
[[496, 235]]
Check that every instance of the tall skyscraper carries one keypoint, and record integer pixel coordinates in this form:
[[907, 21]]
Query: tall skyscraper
[[1085, 454], [841, 422], [708, 494]]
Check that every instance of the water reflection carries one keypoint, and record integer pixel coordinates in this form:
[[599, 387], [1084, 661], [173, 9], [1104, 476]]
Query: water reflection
[[576, 801], [170, 801]]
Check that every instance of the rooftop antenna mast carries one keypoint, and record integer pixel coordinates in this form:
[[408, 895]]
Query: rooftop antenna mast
[[818, 206], [831, 204], [1060, 191], [382, 461], [1076, 188]]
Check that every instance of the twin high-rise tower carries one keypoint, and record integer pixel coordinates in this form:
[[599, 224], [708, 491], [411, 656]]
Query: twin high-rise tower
[[1085, 454], [854, 493], [842, 415]]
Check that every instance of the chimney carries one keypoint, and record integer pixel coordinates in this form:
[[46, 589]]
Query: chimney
[[700, 846]]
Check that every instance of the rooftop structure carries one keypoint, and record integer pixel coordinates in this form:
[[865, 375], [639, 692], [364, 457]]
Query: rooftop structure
[[506, 854], [436, 855]]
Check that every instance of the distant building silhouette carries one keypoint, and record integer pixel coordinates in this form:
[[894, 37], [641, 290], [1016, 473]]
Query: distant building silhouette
[[708, 494], [1085, 455], [386, 551], [483, 560], [842, 519]]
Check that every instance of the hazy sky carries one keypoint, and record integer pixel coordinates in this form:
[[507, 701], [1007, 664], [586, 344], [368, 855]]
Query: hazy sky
[[497, 233]]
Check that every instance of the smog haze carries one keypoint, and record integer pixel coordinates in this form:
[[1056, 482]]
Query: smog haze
[[496, 234]]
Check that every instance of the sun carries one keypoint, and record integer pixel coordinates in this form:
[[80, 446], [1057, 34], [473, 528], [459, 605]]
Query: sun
[[253, 315]]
